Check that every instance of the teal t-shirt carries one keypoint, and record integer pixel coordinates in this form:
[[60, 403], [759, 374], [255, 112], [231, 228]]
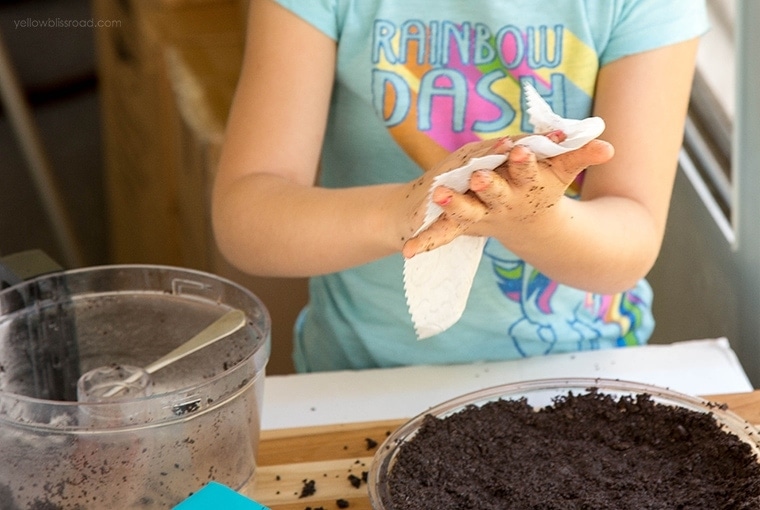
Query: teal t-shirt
[[416, 79]]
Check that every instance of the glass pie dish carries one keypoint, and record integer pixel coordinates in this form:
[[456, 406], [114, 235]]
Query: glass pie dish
[[539, 395]]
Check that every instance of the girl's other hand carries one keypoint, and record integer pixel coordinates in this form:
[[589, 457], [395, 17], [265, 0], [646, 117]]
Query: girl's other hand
[[520, 190], [416, 194]]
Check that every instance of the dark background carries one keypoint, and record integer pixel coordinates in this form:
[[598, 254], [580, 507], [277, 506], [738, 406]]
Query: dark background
[[57, 69]]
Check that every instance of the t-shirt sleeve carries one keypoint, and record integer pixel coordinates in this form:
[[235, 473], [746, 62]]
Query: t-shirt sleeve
[[322, 14], [644, 25]]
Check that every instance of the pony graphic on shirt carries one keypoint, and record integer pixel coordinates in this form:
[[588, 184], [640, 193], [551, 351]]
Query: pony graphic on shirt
[[538, 330]]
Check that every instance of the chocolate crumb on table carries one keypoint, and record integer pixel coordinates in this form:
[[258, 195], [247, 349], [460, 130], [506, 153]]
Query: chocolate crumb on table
[[309, 488], [355, 481], [584, 451], [342, 503]]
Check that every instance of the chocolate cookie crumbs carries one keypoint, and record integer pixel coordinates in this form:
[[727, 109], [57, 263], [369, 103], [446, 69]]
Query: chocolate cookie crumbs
[[371, 443], [588, 451], [355, 481], [309, 488], [342, 503]]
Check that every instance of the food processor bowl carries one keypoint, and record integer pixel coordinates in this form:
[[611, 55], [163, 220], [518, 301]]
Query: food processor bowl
[[199, 422]]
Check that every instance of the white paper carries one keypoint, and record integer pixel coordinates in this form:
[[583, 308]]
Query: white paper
[[440, 273], [695, 367], [438, 282]]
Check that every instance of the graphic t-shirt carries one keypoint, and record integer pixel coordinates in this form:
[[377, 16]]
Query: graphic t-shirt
[[417, 79]]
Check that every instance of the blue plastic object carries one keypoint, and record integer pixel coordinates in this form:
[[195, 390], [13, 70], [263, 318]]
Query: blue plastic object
[[217, 496]]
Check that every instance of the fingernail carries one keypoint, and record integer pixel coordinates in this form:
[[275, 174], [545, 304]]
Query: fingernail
[[504, 143], [520, 154], [480, 180], [557, 136], [442, 197]]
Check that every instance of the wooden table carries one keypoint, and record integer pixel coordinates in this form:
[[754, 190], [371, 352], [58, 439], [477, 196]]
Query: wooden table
[[330, 455]]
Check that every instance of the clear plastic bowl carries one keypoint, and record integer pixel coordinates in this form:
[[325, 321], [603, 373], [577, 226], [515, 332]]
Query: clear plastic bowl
[[541, 393], [200, 422]]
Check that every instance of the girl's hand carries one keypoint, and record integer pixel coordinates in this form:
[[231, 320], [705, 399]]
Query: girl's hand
[[415, 198], [521, 190]]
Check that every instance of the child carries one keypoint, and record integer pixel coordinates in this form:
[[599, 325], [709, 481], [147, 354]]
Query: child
[[345, 112]]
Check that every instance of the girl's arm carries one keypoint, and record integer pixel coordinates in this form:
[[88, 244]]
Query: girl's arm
[[267, 215], [609, 239]]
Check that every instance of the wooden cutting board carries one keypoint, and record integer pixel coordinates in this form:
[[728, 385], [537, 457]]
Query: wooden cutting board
[[334, 456]]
